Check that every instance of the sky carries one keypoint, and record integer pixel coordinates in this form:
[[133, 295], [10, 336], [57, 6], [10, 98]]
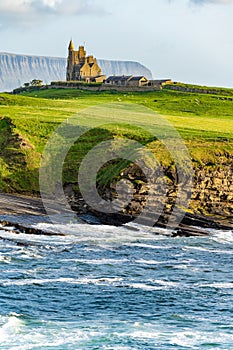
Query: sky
[[184, 40]]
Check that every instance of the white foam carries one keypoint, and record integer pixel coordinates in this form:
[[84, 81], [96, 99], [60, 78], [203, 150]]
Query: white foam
[[195, 338], [148, 262], [221, 285], [143, 286], [6, 228], [10, 328], [16, 335], [36, 281], [149, 246], [154, 284], [101, 235], [97, 261], [201, 249], [166, 283], [100, 232], [223, 237], [48, 335], [154, 230], [143, 335], [150, 285], [209, 249], [5, 259]]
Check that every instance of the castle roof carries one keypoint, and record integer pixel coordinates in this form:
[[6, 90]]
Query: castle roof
[[71, 45], [138, 78], [114, 78]]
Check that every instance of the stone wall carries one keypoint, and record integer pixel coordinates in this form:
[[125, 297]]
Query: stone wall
[[104, 87], [204, 90]]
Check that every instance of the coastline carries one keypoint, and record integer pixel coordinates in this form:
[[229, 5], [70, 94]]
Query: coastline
[[23, 211]]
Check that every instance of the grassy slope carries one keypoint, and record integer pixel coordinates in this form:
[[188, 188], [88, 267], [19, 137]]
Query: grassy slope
[[205, 122]]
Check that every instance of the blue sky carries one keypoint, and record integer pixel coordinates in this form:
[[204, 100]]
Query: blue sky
[[186, 40]]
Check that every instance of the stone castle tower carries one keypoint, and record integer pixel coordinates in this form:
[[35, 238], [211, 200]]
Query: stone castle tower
[[81, 67]]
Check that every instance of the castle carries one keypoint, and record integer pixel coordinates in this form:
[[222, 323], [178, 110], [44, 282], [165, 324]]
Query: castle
[[81, 67]]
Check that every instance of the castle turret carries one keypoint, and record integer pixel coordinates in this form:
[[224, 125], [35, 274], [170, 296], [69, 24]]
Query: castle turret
[[81, 53], [71, 45], [70, 61]]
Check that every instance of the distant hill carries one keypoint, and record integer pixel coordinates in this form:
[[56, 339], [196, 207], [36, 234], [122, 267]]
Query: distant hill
[[15, 69]]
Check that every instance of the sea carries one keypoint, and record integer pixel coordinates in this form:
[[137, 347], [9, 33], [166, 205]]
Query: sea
[[106, 287]]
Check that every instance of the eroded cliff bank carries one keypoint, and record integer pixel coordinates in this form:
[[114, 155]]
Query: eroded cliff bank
[[212, 197]]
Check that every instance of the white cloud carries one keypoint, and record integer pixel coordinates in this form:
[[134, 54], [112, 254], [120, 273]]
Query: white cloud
[[25, 12]]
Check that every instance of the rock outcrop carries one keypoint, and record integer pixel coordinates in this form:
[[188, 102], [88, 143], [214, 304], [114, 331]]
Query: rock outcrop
[[15, 70], [211, 201], [213, 192]]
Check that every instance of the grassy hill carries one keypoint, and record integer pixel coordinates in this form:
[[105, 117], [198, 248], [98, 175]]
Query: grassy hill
[[204, 121]]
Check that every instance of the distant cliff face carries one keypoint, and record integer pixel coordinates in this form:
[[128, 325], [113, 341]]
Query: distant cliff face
[[15, 70]]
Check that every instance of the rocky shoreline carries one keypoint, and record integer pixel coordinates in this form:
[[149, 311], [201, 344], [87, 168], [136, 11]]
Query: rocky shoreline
[[21, 211]]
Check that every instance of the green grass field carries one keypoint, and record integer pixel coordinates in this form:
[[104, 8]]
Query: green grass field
[[204, 122]]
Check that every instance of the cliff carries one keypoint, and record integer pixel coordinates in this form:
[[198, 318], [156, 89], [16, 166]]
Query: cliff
[[15, 70], [211, 193]]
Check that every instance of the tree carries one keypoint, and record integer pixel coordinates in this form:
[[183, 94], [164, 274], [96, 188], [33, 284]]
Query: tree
[[36, 82]]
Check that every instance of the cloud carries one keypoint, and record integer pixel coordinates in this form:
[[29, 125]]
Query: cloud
[[67, 8], [221, 2], [26, 12]]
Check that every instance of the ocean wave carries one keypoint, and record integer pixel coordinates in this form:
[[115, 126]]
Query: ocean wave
[[201, 339], [37, 281], [101, 235], [220, 285], [5, 259], [223, 237], [208, 249], [21, 333], [103, 261], [149, 246], [10, 328], [151, 284], [148, 262]]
